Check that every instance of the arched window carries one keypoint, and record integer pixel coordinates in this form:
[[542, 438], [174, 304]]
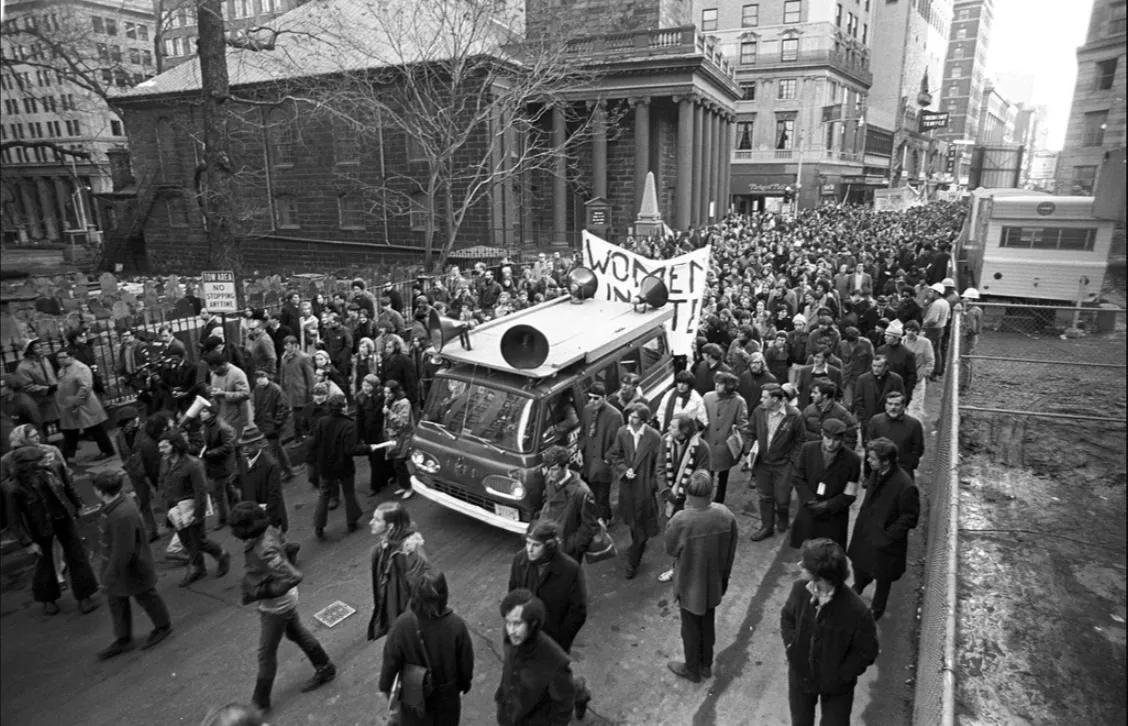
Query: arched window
[[170, 170]]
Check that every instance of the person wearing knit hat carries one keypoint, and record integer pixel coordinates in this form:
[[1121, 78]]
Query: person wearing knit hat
[[827, 480], [896, 328], [558, 581], [899, 359]]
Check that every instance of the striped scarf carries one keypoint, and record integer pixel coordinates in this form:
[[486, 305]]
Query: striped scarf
[[688, 465]]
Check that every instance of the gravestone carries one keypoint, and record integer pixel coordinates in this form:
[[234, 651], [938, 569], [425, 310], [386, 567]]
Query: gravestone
[[108, 284], [49, 305], [122, 310]]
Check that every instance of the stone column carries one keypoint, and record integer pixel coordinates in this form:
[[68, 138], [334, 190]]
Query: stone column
[[599, 150], [47, 208], [698, 143], [707, 141], [62, 196], [718, 162], [684, 191], [726, 161], [559, 180], [31, 208], [641, 150]]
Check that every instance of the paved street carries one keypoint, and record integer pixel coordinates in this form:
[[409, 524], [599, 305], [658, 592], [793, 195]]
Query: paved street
[[50, 675]]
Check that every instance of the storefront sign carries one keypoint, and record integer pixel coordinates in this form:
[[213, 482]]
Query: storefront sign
[[619, 272], [767, 188], [933, 120], [219, 292]]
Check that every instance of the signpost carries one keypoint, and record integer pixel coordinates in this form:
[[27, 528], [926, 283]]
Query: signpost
[[220, 295]]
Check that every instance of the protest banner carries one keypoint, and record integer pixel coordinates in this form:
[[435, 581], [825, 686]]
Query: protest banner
[[620, 271]]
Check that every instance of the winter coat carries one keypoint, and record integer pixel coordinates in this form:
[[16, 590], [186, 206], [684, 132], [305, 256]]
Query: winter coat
[[828, 648], [537, 687], [692, 407], [856, 357], [572, 506], [906, 432], [638, 503], [127, 567], [313, 412], [270, 409], [672, 476], [814, 416], [235, 407], [296, 378], [597, 435], [78, 405], [751, 387], [702, 541], [261, 483], [903, 363], [185, 479], [726, 413], [334, 444], [789, 437], [399, 427], [562, 588], [449, 654], [131, 451], [394, 569], [399, 367], [370, 417], [869, 394], [841, 481], [219, 449], [703, 376], [805, 381], [880, 542], [41, 377], [30, 513], [266, 560], [261, 354]]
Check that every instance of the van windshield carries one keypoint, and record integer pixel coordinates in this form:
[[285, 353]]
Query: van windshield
[[496, 417]]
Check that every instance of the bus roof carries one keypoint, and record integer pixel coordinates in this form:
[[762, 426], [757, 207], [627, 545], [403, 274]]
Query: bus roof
[[575, 331], [1043, 208]]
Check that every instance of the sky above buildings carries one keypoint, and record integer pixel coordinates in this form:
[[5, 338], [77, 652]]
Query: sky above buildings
[[1033, 55]]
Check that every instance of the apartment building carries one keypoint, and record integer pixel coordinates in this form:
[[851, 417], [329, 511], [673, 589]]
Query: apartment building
[[178, 31]]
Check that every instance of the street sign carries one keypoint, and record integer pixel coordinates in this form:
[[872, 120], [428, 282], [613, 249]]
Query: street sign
[[219, 291], [933, 120]]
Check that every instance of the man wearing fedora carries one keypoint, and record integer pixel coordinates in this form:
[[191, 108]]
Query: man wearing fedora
[[261, 477]]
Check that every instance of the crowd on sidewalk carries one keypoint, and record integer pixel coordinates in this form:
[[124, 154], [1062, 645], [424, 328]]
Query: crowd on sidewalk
[[819, 337]]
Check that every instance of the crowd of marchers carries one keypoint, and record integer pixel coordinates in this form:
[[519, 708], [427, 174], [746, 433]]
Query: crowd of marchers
[[819, 336]]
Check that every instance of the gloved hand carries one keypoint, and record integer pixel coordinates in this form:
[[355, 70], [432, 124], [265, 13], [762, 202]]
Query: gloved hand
[[817, 508], [51, 389]]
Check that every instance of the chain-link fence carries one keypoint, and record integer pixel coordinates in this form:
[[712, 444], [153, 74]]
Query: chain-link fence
[[936, 656]]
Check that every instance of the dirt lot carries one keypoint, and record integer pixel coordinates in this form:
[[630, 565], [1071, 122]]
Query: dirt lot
[[1042, 542]]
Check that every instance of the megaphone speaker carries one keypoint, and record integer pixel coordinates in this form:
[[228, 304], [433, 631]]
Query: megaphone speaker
[[524, 347], [198, 405], [652, 293], [443, 330], [582, 283]]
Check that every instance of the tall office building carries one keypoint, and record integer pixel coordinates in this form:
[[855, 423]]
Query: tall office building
[[961, 93], [1097, 117], [996, 118], [910, 41], [804, 70], [49, 103], [178, 31]]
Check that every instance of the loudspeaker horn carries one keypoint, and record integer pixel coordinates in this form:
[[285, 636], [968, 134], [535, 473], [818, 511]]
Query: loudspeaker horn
[[194, 410], [582, 283], [524, 347], [652, 294], [443, 330]]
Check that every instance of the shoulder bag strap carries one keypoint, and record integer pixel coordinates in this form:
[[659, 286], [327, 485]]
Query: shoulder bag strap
[[422, 643]]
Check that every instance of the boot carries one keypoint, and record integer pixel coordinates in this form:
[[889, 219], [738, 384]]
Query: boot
[[321, 676], [783, 520], [192, 575], [583, 697], [767, 514], [261, 699]]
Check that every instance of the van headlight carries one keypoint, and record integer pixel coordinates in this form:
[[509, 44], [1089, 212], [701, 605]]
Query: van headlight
[[424, 462], [504, 486]]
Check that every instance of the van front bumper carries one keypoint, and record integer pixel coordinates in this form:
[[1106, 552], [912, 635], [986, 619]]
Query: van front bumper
[[482, 515]]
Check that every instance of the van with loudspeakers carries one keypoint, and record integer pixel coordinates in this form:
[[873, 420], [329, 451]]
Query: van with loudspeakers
[[512, 387]]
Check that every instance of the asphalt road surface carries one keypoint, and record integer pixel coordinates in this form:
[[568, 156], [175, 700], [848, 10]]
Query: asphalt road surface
[[49, 674]]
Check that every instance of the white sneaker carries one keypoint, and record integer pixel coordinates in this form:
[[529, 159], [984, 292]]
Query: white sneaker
[[666, 576], [406, 493]]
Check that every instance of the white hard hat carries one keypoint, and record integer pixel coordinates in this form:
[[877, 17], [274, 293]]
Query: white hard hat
[[971, 294], [938, 287], [948, 282]]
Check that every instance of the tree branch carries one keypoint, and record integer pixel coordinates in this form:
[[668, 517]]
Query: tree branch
[[44, 145]]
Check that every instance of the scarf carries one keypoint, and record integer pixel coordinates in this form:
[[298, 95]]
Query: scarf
[[683, 469], [672, 401]]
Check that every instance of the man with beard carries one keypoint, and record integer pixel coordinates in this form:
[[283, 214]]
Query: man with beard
[[754, 379], [569, 503], [598, 424], [634, 460], [826, 481], [537, 686]]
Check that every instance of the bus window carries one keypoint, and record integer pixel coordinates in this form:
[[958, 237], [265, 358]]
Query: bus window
[[631, 362], [652, 352], [559, 418], [607, 375]]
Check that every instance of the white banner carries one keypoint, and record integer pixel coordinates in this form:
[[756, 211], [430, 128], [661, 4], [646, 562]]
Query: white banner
[[619, 272]]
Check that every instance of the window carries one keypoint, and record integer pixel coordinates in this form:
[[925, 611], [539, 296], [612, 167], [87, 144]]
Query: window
[[744, 135], [131, 31], [791, 11], [286, 211], [103, 51], [852, 25], [415, 151], [169, 48], [749, 90], [1049, 238], [502, 419], [838, 16], [346, 146], [107, 76], [243, 8], [1106, 74], [789, 49], [748, 52], [182, 17], [115, 53], [142, 32], [1095, 124], [1084, 177], [111, 26], [420, 212], [115, 128], [787, 89], [350, 208], [957, 71], [135, 56], [146, 57], [281, 135], [166, 152], [99, 26], [177, 212], [785, 133], [708, 20], [957, 52], [269, 6], [961, 34], [750, 16], [865, 33]]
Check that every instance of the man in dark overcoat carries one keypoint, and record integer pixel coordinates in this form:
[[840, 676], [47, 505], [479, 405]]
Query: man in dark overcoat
[[261, 478], [598, 425], [879, 546], [127, 567], [902, 429], [826, 480], [543, 569], [634, 466]]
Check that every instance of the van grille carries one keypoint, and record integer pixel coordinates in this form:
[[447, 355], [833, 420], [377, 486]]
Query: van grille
[[471, 497]]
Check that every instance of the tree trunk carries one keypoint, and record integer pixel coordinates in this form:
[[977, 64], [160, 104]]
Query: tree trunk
[[217, 182], [451, 229]]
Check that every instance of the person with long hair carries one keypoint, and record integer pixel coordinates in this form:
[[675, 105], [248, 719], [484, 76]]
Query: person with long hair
[[432, 636], [370, 429], [397, 560], [186, 489], [367, 362], [398, 426]]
